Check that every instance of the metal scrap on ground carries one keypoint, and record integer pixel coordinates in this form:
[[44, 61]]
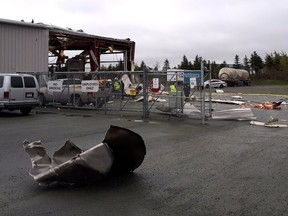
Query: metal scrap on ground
[[121, 151]]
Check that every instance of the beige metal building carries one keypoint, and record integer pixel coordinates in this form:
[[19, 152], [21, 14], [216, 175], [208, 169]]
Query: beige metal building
[[23, 47]]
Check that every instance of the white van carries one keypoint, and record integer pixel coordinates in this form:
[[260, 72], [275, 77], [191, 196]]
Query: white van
[[18, 92]]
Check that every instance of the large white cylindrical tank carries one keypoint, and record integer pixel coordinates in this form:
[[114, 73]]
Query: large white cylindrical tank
[[233, 74], [243, 74], [227, 74]]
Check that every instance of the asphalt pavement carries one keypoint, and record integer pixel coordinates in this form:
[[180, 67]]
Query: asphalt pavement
[[223, 167]]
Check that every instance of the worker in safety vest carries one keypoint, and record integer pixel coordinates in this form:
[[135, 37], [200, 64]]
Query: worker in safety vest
[[172, 88], [116, 87]]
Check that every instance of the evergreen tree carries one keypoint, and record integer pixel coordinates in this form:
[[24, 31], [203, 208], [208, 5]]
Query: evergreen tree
[[156, 66], [223, 64], [142, 66], [269, 61], [119, 66], [214, 70], [166, 65], [205, 64], [136, 67], [283, 72], [236, 64], [103, 68], [246, 65], [110, 67], [277, 61], [256, 63], [184, 64], [197, 63], [284, 60]]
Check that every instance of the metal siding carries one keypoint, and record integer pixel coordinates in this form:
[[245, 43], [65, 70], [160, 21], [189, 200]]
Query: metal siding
[[4, 60], [23, 49]]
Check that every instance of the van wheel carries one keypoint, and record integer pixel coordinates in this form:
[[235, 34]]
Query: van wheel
[[25, 111], [78, 101], [100, 102], [42, 100]]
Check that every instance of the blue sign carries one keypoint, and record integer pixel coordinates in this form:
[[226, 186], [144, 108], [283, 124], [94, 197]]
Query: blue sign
[[195, 74]]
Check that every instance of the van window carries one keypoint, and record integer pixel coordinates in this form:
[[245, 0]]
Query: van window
[[16, 82], [29, 82], [1, 81]]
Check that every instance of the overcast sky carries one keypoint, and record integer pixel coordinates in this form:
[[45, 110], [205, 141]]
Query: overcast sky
[[216, 30]]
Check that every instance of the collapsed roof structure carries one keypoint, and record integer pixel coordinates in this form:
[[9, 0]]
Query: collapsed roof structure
[[25, 47], [93, 46]]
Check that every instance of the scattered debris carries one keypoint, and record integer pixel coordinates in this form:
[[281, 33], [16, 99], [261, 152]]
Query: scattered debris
[[269, 105], [219, 91], [121, 151], [150, 98], [234, 114], [227, 101], [271, 123], [188, 110], [164, 107], [237, 97], [238, 100]]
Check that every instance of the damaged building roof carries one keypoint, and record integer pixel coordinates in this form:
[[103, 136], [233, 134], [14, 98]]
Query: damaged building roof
[[70, 33], [69, 39]]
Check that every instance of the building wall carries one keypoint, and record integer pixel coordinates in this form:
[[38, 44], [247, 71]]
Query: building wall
[[23, 48]]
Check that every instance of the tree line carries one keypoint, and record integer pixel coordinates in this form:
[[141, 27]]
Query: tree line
[[273, 66]]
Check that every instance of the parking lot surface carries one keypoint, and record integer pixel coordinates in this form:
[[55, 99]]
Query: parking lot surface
[[222, 167]]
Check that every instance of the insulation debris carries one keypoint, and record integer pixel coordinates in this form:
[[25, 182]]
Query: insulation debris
[[234, 114], [150, 99], [235, 102], [272, 122], [188, 109]]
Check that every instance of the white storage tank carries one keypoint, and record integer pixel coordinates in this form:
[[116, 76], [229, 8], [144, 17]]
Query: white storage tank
[[243, 74], [228, 74], [234, 77]]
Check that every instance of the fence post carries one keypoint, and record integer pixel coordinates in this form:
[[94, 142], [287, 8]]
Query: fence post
[[210, 93], [202, 94], [145, 93]]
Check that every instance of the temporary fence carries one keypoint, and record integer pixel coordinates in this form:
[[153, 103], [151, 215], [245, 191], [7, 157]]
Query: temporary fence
[[177, 93]]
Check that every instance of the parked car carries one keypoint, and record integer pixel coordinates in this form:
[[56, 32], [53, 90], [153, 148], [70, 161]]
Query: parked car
[[215, 83], [19, 92], [71, 93]]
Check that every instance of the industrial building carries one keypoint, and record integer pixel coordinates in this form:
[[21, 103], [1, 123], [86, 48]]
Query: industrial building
[[27, 46]]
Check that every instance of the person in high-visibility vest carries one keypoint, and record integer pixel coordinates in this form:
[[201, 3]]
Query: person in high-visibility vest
[[172, 88], [116, 87]]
